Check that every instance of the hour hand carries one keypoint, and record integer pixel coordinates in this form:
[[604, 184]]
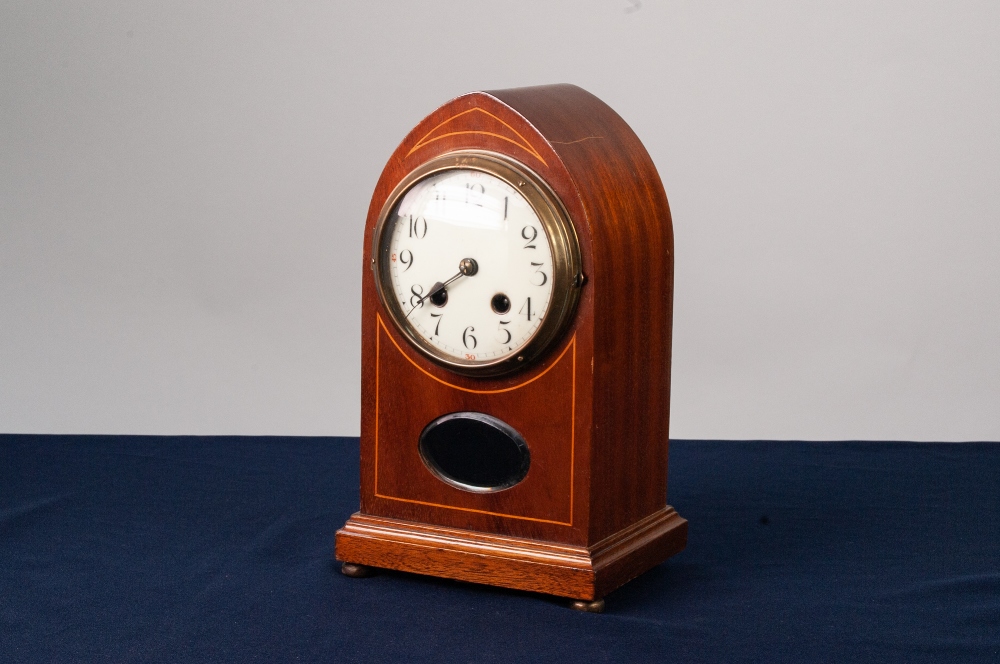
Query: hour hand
[[467, 267], [434, 289]]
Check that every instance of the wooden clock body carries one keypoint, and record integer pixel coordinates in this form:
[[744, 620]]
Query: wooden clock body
[[591, 513]]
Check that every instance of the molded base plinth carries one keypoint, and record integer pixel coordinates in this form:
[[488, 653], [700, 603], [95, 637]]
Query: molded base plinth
[[582, 573]]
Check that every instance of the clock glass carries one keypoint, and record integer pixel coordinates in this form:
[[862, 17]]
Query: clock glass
[[468, 267]]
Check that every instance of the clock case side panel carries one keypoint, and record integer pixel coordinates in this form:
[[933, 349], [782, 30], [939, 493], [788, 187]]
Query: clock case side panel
[[632, 286], [475, 121]]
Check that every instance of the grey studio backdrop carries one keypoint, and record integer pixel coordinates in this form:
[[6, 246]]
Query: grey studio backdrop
[[183, 187]]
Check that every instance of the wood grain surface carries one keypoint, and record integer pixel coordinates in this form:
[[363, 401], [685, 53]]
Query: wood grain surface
[[594, 408], [523, 564]]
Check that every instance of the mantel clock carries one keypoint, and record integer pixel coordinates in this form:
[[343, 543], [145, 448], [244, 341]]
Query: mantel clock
[[516, 312]]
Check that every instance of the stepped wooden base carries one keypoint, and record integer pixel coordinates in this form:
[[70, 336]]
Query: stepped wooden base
[[582, 573]]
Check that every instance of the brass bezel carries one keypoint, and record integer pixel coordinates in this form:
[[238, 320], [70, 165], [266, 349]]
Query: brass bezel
[[567, 277]]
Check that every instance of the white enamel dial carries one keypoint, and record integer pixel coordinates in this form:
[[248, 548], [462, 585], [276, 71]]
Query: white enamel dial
[[494, 305]]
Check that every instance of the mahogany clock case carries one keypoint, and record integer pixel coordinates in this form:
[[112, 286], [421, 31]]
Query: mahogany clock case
[[593, 408]]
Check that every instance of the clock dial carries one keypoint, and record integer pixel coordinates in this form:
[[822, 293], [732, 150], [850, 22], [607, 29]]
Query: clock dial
[[470, 215], [476, 263]]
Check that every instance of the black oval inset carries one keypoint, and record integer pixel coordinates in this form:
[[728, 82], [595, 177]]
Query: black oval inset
[[474, 452]]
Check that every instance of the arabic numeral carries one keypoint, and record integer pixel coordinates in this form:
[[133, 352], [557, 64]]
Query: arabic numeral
[[468, 339], [529, 233], [418, 295], [418, 227], [538, 271], [476, 190], [504, 330], [526, 309], [406, 258]]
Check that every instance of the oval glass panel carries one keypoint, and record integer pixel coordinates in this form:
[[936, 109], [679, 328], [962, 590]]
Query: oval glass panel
[[474, 452]]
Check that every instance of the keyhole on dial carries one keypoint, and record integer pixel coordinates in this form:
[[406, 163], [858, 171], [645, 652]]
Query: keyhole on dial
[[440, 298], [500, 303]]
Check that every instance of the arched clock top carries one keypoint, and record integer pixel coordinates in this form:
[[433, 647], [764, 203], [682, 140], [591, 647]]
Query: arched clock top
[[518, 289]]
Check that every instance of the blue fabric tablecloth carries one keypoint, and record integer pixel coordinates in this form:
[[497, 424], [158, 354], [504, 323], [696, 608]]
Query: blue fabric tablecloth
[[218, 549]]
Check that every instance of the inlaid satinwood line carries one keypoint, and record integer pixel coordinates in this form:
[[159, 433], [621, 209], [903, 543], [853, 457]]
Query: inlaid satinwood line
[[377, 335], [484, 133], [475, 511], [524, 144], [572, 439], [579, 140], [572, 436], [572, 344]]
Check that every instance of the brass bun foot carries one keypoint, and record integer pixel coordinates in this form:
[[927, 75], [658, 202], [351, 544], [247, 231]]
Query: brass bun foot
[[356, 571], [595, 606]]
